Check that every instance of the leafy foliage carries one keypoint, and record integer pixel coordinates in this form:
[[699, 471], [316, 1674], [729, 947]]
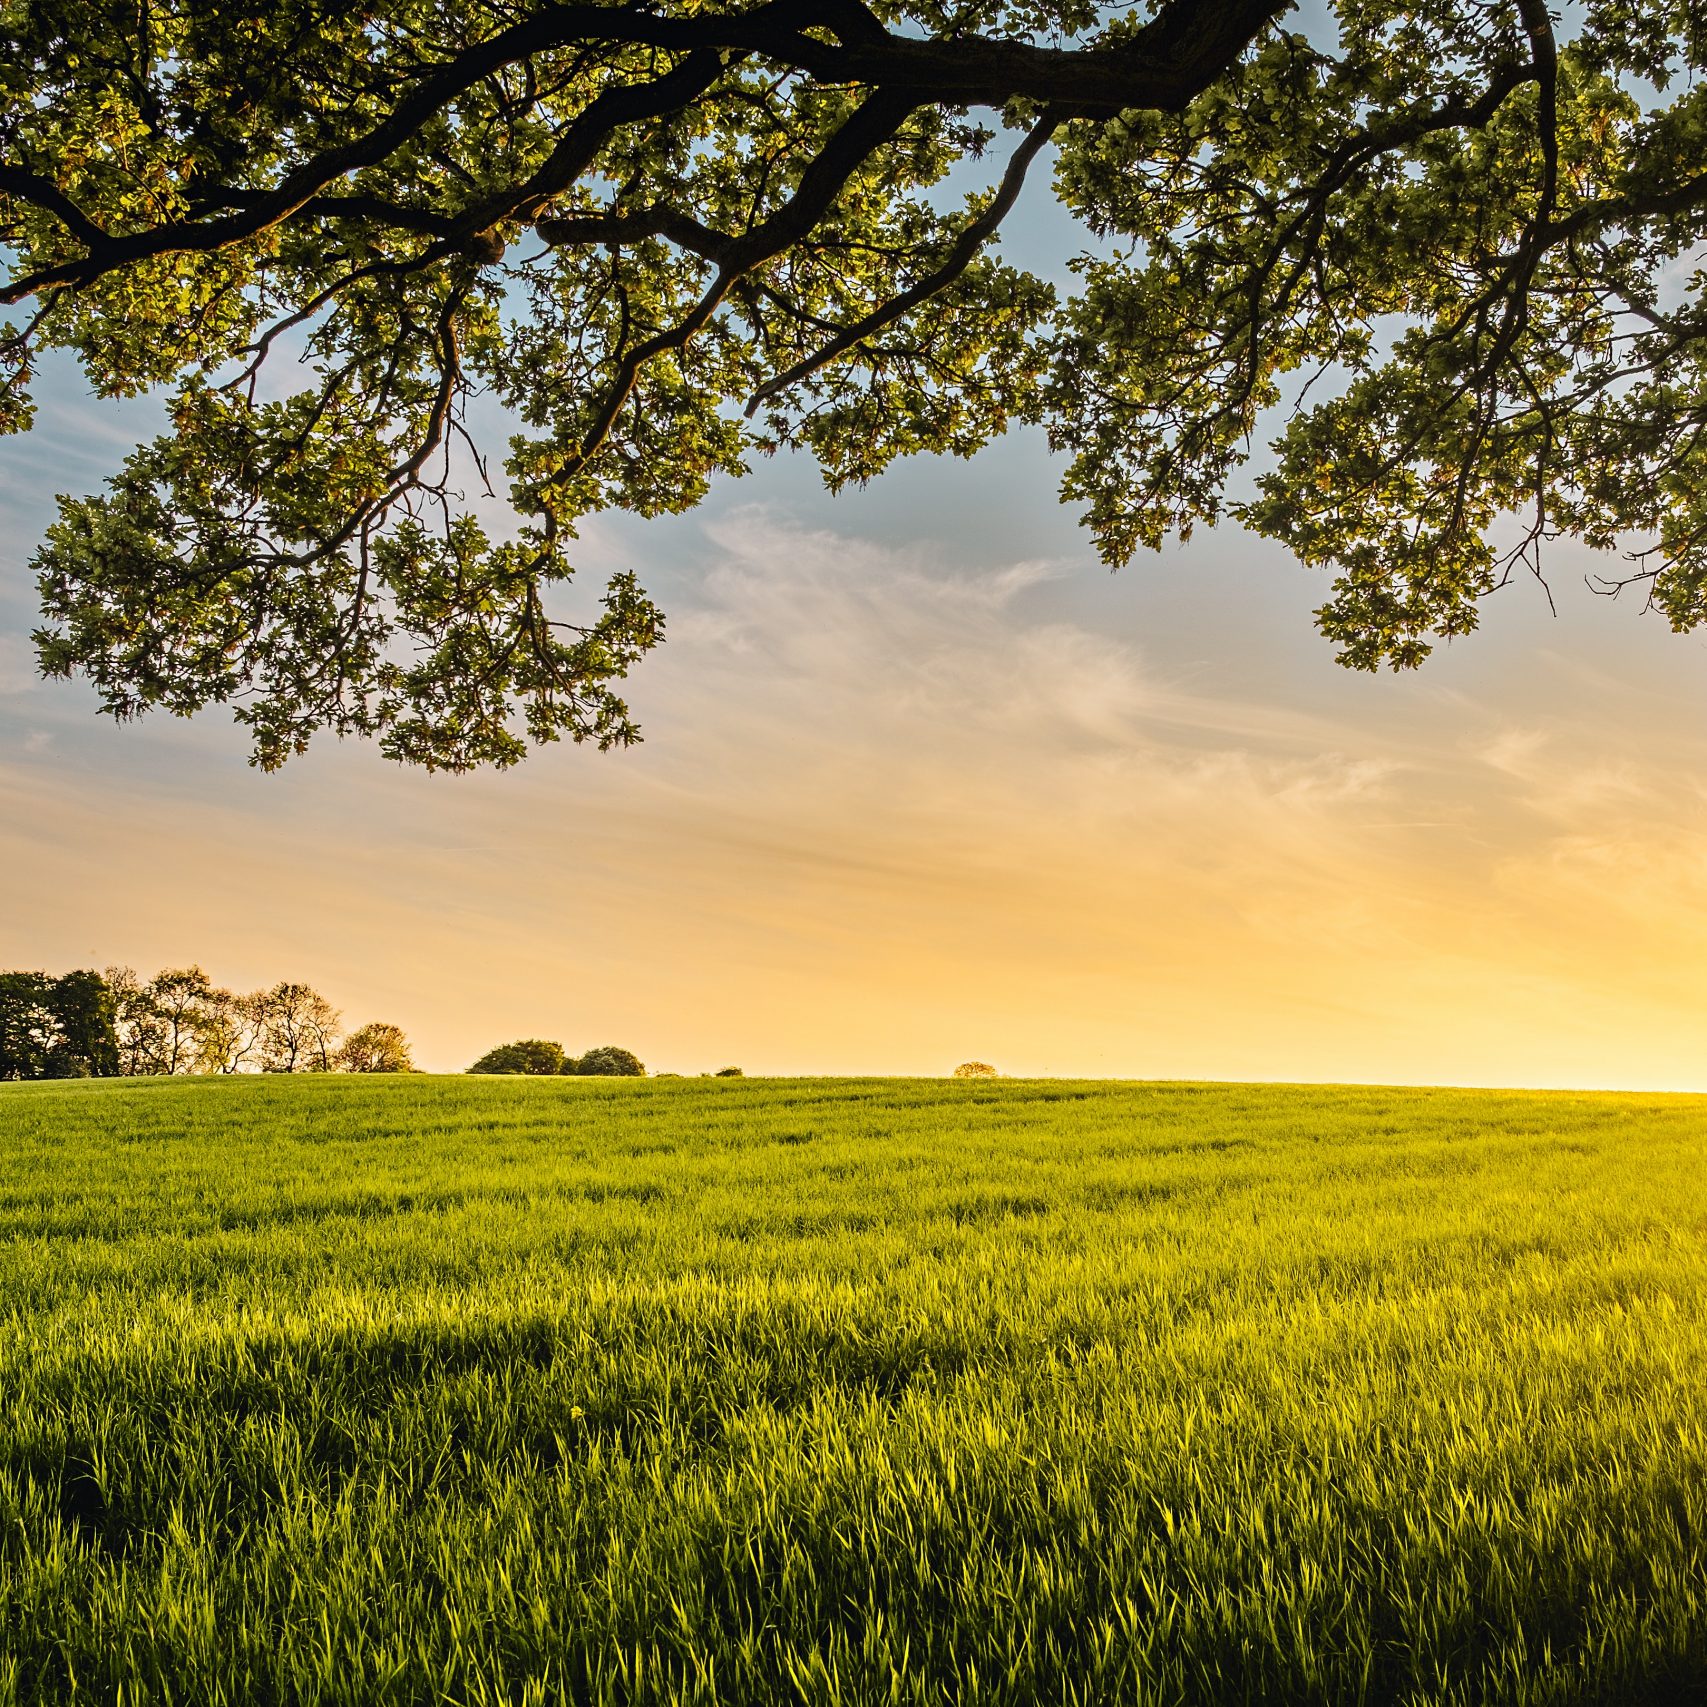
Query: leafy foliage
[[975, 1070], [377, 1047], [180, 1021], [1459, 253], [531, 1055], [56, 1028], [181, 1003], [300, 1030], [607, 1061]]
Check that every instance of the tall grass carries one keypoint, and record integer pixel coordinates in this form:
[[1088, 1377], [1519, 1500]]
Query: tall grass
[[850, 1392]]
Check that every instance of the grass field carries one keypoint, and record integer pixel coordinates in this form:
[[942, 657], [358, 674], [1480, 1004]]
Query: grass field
[[850, 1391]]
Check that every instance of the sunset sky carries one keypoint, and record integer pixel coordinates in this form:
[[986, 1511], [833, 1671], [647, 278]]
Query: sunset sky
[[922, 781]]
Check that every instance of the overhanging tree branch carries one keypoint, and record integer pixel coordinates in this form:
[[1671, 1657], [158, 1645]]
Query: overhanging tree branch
[[1464, 233], [1165, 65], [966, 247]]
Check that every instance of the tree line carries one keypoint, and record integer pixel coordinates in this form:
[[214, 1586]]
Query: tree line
[[115, 1024]]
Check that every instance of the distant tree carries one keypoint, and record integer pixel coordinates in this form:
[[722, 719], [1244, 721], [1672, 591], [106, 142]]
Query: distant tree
[[375, 1048], [221, 1046], [232, 1033], [27, 1028], [182, 1000], [729, 1073], [608, 1062], [135, 1022], [534, 1056], [88, 1045], [56, 1028], [301, 1030], [976, 1070]]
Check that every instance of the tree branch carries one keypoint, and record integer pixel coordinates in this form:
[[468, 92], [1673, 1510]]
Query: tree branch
[[1165, 65], [960, 257], [30, 186], [872, 124]]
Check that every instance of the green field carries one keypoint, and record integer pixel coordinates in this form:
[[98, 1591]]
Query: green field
[[475, 1390]]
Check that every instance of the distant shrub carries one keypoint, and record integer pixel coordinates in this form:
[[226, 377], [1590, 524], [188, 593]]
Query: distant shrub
[[607, 1062], [976, 1070], [729, 1073], [532, 1055]]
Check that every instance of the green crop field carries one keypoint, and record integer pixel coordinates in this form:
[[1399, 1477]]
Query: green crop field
[[887, 1391]]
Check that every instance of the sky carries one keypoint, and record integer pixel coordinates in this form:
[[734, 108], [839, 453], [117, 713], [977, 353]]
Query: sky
[[923, 782]]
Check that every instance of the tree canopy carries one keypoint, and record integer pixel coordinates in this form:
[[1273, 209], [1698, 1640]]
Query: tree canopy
[[57, 1028], [536, 1056], [1448, 254], [377, 1047], [608, 1061]]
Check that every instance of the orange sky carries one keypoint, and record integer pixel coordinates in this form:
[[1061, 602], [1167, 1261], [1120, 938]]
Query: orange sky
[[921, 782]]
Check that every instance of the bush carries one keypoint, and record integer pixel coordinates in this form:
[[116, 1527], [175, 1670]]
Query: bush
[[729, 1073], [532, 1055], [607, 1062], [976, 1070]]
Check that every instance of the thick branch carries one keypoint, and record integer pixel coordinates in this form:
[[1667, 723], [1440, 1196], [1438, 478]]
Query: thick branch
[[554, 28], [871, 125], [620, 229], [960, 257], [31, 186], [1164, 66]]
